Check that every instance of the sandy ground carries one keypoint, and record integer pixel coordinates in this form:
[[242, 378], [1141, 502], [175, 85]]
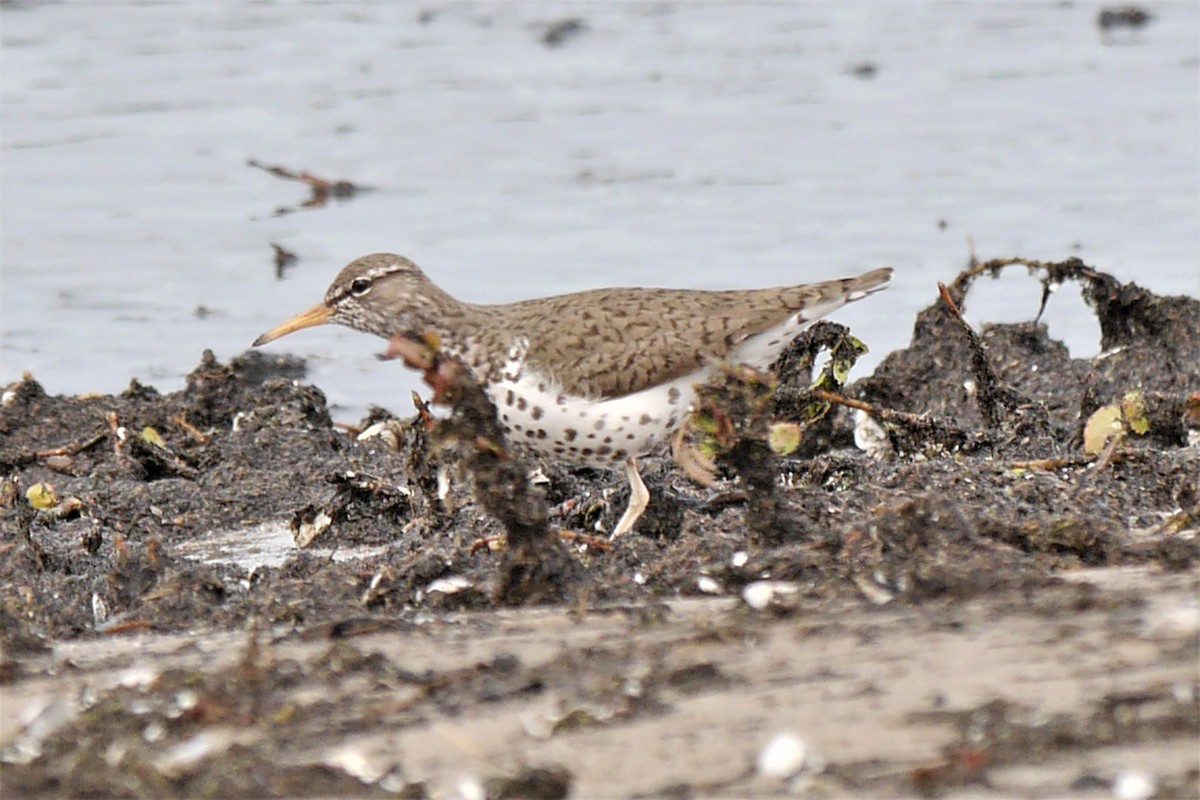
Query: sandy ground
[[985, 698]]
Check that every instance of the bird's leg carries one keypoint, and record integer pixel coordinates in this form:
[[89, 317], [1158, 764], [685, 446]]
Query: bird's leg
[[639, 498]]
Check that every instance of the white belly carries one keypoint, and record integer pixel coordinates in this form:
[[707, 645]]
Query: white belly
[[540, 417], [593, 432]]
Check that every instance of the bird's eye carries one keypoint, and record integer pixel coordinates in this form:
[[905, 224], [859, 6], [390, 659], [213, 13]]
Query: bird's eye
[[360, 286]]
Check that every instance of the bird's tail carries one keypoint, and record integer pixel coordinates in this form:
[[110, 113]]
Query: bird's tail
[[866, 284]]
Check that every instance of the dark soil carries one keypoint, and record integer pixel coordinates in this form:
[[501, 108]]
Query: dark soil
[[984, 503]]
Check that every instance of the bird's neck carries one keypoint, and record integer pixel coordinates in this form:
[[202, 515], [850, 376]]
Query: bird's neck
[[465, 329]]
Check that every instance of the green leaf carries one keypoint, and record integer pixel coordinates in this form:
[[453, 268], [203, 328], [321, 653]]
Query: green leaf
[[784, 437], [1133, 409], [42, 496], [151, 436], [1102, 426]]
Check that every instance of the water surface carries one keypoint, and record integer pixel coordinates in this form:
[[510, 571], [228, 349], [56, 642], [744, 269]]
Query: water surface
[[683, 144]]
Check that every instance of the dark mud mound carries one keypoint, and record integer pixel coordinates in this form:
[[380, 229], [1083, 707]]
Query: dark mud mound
[[103, 496], [135, 475], [1149, 344]]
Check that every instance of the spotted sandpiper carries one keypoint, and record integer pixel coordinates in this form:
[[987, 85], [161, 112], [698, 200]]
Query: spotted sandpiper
[[598, 377]]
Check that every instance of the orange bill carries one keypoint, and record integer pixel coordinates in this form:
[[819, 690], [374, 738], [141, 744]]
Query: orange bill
[[317, 315]]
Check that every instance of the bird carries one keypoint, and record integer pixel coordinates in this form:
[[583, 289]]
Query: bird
[[597, 377]]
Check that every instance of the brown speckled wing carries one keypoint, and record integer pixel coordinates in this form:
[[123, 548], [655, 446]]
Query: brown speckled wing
[[619, 341]]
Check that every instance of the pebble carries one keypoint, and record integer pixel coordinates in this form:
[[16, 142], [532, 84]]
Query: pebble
[[1133, 784], [760, 594], [783, 756]]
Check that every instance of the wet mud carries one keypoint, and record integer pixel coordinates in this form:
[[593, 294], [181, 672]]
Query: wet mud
[[982, 603]]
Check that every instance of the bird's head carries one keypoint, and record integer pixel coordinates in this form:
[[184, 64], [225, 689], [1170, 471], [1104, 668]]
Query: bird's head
[[380, 294]]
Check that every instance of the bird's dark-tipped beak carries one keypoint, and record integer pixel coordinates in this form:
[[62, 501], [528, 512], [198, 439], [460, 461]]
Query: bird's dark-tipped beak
[[317, 315]]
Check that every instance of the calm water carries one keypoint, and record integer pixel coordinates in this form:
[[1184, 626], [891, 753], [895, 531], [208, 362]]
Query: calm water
[[699, 144]]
